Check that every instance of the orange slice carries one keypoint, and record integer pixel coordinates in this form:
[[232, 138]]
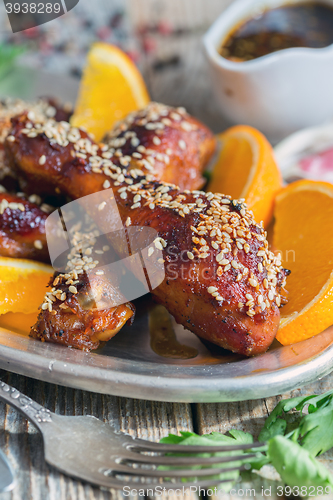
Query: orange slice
[[303, 233], [246, 168], [111, 87], [18, 322], [22, 285]]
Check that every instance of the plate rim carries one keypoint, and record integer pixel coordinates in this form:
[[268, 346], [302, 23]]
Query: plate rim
[[122, 382]]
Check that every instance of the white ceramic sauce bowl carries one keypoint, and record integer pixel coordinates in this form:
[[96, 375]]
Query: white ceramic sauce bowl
[[278, 93]]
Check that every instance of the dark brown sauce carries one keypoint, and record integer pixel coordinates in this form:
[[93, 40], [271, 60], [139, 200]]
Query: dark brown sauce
[[163, 340], [299, 25]]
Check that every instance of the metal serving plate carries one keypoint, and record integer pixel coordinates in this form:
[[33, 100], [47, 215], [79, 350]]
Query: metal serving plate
[[127, 366]]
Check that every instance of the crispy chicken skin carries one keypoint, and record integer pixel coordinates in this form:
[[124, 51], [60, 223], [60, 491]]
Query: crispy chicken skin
[[12, 107], [221, 280], [180, 150], [72, 323], [22, 229]]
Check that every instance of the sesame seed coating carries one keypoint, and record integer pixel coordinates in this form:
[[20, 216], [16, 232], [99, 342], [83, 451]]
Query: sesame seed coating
[[210, 242]]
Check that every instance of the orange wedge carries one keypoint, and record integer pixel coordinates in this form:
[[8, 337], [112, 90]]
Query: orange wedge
[[111, 87], [18, 322], [303, 233], [22, 285], [246, 168]]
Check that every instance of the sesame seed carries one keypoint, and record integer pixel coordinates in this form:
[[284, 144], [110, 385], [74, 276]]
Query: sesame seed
[[186, 126], [106, 184], [128, 222], [227, 267], [190, 255], [156, 140], [253, 282], [158, 244], [150, 251], [100, 272], [11, 138], [42, 160], [263, 306], [219, 257], [102, 205], [211, 289], [182, 144], [38, 244]]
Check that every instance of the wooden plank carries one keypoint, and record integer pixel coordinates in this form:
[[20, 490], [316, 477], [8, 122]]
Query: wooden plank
[[249, 416], [179, 14], [23, 444], [186, 83]]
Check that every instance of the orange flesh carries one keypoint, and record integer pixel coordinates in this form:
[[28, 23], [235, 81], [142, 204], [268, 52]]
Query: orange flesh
[[246, 168], [306, 247], [22, 294], [18, 322], [236, 156]]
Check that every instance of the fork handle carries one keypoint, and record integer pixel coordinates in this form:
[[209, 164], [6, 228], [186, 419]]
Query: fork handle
[[36, 413]]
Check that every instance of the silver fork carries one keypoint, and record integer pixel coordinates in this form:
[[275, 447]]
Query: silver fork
[[89, 449]]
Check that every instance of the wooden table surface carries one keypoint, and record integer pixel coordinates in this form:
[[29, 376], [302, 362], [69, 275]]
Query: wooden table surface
[[180, 80]]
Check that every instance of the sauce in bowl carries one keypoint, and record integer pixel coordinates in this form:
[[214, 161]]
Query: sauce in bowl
[[296, 25]]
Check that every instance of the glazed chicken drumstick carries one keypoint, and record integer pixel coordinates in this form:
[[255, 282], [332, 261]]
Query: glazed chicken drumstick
[[22, 228], [221, 281]]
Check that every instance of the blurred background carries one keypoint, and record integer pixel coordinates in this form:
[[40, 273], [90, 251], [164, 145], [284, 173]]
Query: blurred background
[[163, 37]]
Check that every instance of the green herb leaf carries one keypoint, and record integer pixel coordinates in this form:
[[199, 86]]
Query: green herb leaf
[[310, 428], [213, 439], [277, 428], [272, 424], [315, 427], [296, 466]]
